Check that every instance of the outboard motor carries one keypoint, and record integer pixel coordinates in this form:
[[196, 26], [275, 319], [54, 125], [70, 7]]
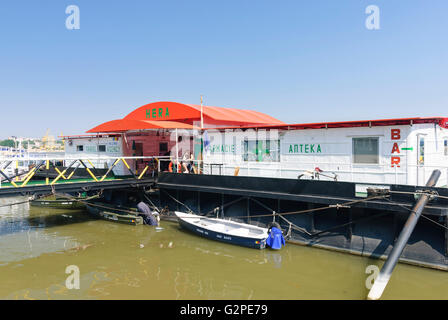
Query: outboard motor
[[275, 238]]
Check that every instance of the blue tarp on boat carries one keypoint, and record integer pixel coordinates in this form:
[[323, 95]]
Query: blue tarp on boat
[[275, 239]]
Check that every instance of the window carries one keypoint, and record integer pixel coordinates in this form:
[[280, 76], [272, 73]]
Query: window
[[163, 146], [421, 152], [80, 148], [102, 148], [261, 150], [366, 150], [445, 145]]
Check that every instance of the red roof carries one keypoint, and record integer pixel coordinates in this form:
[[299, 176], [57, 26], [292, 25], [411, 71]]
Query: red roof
[[123, 125], [171, 115]]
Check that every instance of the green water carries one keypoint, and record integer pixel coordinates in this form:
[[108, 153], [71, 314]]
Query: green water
[[137, 262]]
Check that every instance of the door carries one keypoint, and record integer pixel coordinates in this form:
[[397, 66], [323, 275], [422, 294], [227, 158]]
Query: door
[[140, 163]]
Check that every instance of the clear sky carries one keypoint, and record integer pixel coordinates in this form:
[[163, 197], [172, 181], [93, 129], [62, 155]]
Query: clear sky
[[299, 61]]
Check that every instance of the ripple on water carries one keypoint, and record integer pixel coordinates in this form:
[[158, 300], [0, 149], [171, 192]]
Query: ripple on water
[[125, 262]]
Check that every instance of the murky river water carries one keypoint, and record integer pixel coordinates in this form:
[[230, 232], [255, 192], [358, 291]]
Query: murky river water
[[126, 262]]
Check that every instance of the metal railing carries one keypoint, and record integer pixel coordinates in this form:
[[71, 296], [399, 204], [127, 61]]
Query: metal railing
[[141, 166], [34, 165], [369, 173]]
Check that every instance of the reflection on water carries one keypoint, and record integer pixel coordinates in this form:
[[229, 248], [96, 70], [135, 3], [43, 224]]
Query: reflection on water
[[25, 232], [138, 262]]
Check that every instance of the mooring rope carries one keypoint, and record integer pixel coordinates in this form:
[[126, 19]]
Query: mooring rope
[[428, 192], [152, 203], [190, 211], [25, 201], [294, 226], [412, 211], [337, 206], [344, 205], [15, 203], [440, 225]]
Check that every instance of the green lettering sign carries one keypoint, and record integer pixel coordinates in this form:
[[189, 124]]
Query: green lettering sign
[[304, 148], [157, 113], [222, 148]]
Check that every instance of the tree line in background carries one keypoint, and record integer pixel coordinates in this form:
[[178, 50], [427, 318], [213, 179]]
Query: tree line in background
[[7, 143], [11, 144]]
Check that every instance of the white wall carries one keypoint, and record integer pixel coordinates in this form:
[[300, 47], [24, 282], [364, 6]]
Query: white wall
[[333, 153], [114, 149]]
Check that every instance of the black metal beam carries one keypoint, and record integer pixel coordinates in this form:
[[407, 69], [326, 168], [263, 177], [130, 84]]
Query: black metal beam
[[308, 193], [74, 187]]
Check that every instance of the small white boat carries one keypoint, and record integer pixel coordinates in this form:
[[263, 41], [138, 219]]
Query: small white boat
[[222, 230]]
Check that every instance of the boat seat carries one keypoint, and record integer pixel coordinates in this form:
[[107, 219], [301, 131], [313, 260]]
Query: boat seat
[[239, 231]]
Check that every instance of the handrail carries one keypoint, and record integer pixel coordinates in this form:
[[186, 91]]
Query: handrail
[[343, 171]]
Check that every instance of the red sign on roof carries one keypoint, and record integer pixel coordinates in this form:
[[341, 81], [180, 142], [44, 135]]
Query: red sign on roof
[[172, 115]]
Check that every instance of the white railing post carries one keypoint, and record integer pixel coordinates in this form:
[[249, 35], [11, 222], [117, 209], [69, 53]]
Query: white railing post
[[351, 171], [280, 169]]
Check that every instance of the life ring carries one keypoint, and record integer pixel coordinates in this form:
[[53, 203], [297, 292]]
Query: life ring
[[274, 224], [170, 167]]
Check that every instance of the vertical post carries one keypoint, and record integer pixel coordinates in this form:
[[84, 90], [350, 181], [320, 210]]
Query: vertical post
[[199, 202], [47, 167], [395, 226], [248, 210], [202, 116], [17, 171], [177, 152], [222, 205], [350, 226], [446, 236]]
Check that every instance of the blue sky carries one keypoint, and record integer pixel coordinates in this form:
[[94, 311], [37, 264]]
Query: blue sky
[[299, 61]]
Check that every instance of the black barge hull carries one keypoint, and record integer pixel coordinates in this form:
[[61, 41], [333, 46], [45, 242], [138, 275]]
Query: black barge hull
[[353, 223]]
